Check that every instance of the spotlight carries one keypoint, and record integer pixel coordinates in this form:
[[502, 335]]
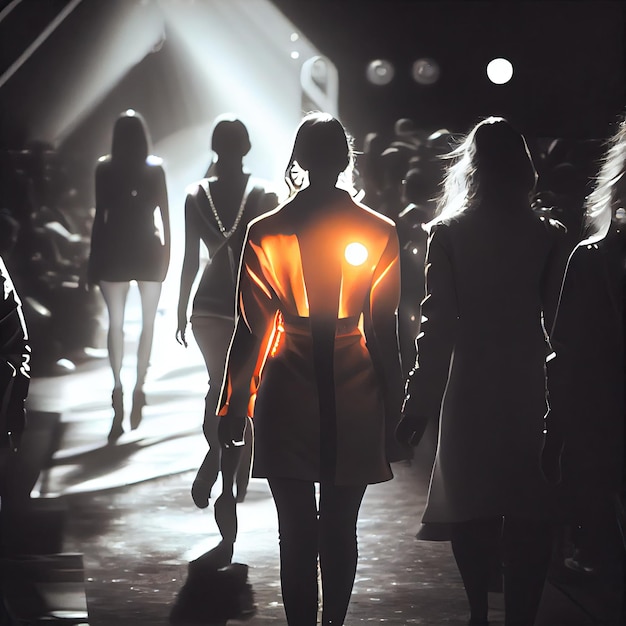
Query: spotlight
[[499, 71], [426, 71], [380, 72]]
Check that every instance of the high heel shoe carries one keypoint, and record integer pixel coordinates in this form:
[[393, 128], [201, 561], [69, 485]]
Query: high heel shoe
[[117, 401], [139, 401], [201, 492]]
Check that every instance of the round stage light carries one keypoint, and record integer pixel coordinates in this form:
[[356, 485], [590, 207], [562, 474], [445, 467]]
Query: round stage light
[[380, 72], [426, 71], [499, 71]]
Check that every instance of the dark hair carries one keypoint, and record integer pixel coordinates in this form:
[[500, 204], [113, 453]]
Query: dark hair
[[321, 146], [130, 143], [230, 136], [492, 163]]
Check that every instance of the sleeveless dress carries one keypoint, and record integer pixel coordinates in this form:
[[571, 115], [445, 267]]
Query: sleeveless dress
[[215, 294]]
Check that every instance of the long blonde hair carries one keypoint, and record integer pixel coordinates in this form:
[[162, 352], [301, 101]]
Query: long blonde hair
[[602, 202], [491, 161]]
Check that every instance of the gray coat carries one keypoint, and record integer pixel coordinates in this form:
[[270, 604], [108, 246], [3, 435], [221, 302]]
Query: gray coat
[[491, 276]]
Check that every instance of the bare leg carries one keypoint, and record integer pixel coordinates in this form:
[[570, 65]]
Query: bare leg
[[115, 294], [150, 293], [213, 336], [226, 505]]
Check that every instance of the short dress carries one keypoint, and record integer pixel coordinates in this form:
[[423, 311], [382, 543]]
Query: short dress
[[324, 406], [215, 295], [126, 243]]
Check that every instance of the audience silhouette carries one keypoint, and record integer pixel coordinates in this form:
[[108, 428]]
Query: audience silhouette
[[14, 386]]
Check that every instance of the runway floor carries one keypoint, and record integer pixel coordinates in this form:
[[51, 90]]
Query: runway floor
[[128, 527]]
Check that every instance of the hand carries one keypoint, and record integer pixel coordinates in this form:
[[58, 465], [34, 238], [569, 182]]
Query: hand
[[231, 430], [410, 429], [181, 335], [551, 458]]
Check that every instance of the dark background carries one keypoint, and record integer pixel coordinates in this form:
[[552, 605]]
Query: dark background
[[568, 60]]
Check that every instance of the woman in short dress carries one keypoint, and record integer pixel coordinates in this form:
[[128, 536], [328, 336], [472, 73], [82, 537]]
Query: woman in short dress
[[130, 241], [218, 209]]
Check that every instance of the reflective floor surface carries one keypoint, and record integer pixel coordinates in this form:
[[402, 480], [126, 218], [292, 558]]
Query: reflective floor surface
[[124, 515]]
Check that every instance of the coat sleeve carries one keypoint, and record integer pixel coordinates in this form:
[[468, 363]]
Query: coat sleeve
[[439, 311], [552, 278], [381, 331], [14, 363], [567, 337], [256, 329]]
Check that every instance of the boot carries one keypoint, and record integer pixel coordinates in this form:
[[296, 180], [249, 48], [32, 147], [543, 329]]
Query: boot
[[139, 401], [117, 401]]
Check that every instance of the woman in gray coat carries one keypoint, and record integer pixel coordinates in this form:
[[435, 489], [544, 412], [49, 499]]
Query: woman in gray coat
[[492, 277]]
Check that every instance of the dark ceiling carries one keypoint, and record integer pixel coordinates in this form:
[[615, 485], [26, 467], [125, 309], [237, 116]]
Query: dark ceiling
[[568, 60]]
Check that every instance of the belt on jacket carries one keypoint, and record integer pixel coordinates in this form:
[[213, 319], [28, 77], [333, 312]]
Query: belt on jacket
[[298, 325]]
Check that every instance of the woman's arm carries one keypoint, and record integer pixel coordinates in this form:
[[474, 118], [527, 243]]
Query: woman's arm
[[256, 316], [382, 339], [165, 218], [435, 343], [95, 251], [191, 265]]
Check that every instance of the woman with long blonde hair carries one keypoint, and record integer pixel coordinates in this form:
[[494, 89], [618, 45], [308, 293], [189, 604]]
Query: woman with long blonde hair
[[491, 281]]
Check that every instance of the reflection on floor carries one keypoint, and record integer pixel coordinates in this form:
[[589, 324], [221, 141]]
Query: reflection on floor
[[115, 526]]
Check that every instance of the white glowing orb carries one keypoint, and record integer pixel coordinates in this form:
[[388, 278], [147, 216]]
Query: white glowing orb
[[499, 71], [356, 253]]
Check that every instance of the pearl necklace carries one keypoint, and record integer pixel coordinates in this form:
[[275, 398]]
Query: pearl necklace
[[220, 225]]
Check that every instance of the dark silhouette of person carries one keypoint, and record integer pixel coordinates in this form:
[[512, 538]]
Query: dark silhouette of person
[[585, 426], [14, 366], [217, 212], [418, 211], [14, 384], [480, 367], [315, 347], [130, 241]]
